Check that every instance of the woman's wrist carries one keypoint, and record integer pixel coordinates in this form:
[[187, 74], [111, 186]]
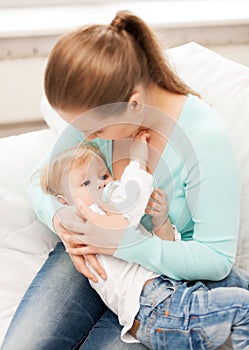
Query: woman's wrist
[[167, 231], [178, 236]]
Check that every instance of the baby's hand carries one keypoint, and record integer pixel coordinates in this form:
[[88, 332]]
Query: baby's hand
[[139, 147], [142, 135], [158, 208]]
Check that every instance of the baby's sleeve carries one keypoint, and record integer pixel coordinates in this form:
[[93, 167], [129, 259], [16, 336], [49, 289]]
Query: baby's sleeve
[[133, 192]]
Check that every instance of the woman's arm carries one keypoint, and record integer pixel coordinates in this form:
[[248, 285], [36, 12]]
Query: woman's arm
[[50, 211], [212, 192], [44, 205], [212, 195]]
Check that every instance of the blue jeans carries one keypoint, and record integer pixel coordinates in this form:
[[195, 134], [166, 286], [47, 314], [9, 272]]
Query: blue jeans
[[187, 316], [60, 311]]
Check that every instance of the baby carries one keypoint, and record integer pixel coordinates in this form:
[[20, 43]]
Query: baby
[[80, 172], [152, 309]]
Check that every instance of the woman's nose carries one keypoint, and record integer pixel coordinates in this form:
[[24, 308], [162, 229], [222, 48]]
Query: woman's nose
[[89, 137]]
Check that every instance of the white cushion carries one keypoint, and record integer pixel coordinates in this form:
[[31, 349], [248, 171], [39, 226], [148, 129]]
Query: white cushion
[[51, 117], [25, 241]]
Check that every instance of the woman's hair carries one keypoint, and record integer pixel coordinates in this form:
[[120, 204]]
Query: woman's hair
[[101, 64], [60, 166]]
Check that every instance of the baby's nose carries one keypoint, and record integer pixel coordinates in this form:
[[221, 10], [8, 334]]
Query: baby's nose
[[102, 186]]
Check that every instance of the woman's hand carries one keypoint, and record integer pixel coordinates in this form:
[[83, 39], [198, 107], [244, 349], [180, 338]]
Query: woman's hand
[[85, 232], [70, 241], [103, 231]]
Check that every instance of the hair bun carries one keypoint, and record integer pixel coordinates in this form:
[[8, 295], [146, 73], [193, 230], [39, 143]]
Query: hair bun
[[118, 24]]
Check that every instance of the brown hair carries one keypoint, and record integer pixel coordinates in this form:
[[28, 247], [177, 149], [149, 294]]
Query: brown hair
[[74, 157], [101, 64]]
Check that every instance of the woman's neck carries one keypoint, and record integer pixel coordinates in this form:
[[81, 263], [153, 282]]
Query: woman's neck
[[162, 103]]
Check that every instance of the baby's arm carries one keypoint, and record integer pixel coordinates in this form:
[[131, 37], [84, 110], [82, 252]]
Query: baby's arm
[[158, 209], [139, 148], [130, 195]]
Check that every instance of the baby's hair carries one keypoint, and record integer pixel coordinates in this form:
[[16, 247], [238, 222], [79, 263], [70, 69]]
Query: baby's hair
[[73, 157]]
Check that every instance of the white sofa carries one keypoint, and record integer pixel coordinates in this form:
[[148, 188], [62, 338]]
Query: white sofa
[[25, 242]]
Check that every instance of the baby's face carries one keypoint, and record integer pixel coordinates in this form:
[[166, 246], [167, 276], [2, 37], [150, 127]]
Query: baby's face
[[87, 182]]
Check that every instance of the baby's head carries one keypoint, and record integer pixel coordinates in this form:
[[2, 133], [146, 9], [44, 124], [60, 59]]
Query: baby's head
[[79, 172]]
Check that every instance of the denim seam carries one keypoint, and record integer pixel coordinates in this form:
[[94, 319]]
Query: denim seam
[[80, 342], [219, 311], [149, 329]]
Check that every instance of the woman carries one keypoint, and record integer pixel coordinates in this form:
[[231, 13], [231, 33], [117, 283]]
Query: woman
[[191, 157]]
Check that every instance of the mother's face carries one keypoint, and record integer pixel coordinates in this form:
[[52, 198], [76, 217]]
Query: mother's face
[[98, 123]]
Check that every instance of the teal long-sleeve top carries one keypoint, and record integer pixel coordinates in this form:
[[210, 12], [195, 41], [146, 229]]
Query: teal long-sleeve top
[[199, 172]]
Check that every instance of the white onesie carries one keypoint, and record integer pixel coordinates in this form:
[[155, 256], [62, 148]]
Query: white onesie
[[130, 194], [121, 291]]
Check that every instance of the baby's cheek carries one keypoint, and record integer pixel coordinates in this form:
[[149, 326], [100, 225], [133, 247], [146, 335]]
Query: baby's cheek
[[84, 195], [92, 195]]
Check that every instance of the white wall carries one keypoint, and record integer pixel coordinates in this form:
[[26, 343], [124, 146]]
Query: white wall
[[21, 83], [27, 35], [237, 53]]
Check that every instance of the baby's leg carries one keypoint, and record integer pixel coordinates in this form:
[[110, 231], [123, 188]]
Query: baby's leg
[[221, 312], [196, 318]]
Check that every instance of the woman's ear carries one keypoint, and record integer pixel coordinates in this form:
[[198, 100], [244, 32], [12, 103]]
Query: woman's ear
[[137, 98], [62, 199], [136, 101]]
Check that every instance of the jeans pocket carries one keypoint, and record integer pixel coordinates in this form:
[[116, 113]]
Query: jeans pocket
[[192, 339]]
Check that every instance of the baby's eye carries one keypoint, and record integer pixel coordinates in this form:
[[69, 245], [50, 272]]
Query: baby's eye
[[86, 183], [98, 133], [104, 177]]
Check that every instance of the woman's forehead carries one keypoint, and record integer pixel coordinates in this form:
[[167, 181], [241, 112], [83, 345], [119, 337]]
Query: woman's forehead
[[98, 118], [93, 123]]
